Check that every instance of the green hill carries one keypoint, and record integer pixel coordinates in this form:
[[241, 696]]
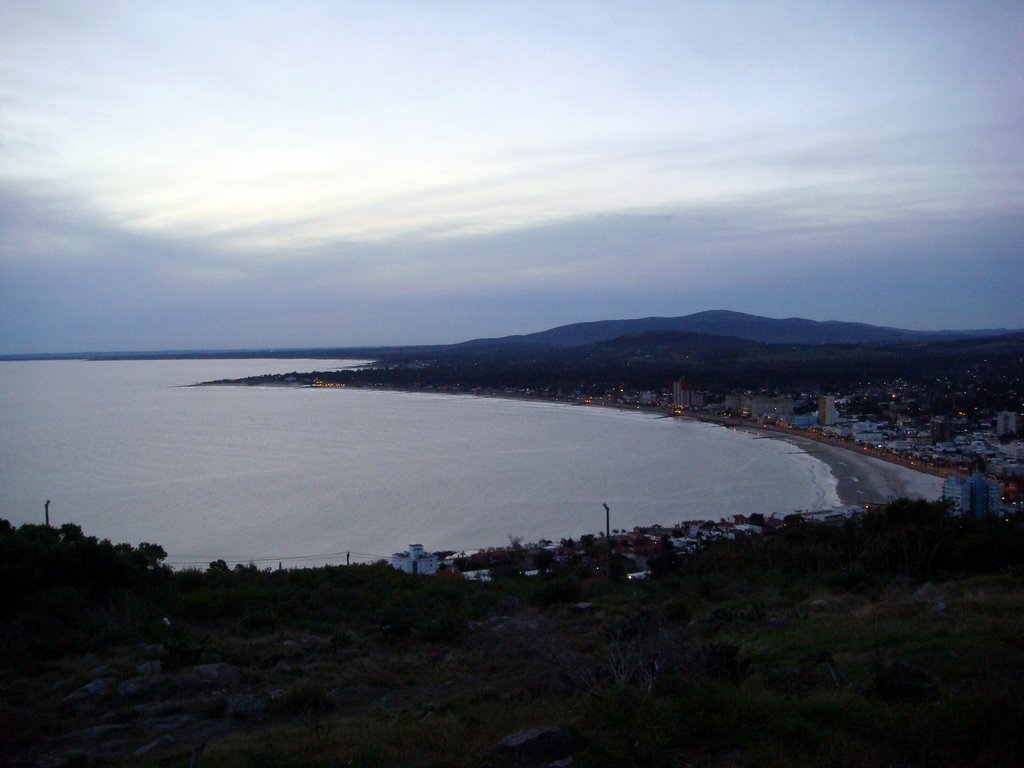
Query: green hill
[[896, 641]]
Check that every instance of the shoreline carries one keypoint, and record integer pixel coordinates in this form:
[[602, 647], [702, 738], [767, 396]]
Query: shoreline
[[860, 479]]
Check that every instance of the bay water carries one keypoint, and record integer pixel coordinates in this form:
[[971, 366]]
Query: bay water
[[301, 475]]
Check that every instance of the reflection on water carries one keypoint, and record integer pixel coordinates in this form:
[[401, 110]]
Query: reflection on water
[[239, 472]]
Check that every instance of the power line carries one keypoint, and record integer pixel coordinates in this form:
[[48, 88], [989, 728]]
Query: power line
[[202, 559]]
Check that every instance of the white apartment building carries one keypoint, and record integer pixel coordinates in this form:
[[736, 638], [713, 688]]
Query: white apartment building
[[415, 560]]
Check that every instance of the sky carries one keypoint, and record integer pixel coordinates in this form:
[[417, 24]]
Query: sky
[[211, 175]]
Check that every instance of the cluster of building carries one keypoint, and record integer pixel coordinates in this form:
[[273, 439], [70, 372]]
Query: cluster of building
[[938, 442], [637, 547], [975, 496], [953, 445]]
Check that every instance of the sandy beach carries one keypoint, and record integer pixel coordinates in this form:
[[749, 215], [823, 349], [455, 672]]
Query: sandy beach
[[864, 479]]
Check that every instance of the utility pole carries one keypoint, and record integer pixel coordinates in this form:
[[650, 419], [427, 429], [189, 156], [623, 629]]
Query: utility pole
[[608, 539], [47, 507]]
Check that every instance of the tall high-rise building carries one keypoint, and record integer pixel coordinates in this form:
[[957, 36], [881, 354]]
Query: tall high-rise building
[[684, 396], [827, 410], [974, 496], [941, 429]]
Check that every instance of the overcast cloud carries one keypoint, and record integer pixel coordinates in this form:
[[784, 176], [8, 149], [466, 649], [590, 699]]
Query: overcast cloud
[[210, 175]]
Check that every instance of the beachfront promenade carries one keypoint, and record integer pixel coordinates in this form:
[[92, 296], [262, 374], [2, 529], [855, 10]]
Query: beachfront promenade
[[863, 476], [821, 437]]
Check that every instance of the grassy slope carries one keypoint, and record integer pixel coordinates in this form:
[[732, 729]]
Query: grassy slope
[[716, 663]]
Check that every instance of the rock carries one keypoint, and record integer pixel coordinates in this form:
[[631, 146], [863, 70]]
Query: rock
[[166, 724], [245, 706], [91, 691], [138, 686], [222, 674], [74, 682], [929, 593], [164, 742], [211, 729], [97, 732], [821, 605], [163, 708], [937, 611], [150, 668], [538, 745]]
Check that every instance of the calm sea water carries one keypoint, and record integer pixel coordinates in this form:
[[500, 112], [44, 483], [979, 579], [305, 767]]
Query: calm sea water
[[127, 452]]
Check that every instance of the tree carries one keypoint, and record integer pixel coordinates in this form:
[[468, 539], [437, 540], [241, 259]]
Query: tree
[[666, 561], [543, 560]]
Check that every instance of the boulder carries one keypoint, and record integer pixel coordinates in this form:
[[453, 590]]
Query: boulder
[[538, 745], [91, 691], [150, 668], [222, 674], [245, 706], [929, 593], [164, 742], [166, 724], [97, 732], [163, 707], [139, 686]]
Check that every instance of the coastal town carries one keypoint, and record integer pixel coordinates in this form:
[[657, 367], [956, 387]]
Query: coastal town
[[624, 554], [978, 455], [890, 422]]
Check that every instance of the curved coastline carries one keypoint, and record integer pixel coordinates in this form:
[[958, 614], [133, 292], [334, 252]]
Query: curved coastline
[[862, 479], [859, 479]]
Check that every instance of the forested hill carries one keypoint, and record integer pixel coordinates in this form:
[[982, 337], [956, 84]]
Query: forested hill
[[792, 330], [992, 366], [720, 323]]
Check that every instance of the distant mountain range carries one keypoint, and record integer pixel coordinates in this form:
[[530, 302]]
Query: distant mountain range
[[698, 330], [721, 322]]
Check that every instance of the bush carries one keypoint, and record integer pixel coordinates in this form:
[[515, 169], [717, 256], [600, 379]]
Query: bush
[[557, 590]]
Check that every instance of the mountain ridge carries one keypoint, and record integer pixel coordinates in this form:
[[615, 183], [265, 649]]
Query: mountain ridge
[[722, 322], [713, 323]]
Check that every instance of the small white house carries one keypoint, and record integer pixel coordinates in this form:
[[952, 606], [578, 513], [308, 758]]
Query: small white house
[[415, 560]]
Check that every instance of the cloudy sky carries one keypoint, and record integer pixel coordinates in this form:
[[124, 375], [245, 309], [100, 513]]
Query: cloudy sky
[[235, 174]]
